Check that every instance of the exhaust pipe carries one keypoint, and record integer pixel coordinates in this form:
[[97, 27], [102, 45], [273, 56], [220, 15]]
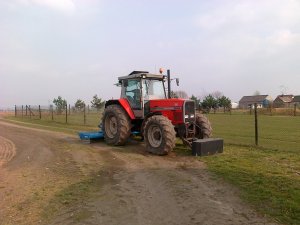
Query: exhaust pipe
[[169, 83]]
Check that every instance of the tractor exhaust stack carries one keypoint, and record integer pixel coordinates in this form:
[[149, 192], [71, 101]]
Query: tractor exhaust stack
[[169, 83]]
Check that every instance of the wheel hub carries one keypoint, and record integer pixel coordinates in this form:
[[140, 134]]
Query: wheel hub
[[155, 136], [111, 126]]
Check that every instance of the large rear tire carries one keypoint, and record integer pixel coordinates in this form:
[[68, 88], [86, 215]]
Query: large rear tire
[[115, 125], [159, 134], [203, 128]]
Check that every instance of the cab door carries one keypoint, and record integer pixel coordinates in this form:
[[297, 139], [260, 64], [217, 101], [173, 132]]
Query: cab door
[[133, 93]]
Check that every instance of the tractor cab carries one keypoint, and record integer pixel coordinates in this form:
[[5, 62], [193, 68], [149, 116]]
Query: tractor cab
[[139, 87]]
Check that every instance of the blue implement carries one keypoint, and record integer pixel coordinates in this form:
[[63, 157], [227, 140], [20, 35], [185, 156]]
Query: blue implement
[[91, 135], [96, 135]]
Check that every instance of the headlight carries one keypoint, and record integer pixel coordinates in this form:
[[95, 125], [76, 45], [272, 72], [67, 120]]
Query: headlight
[[192, 116], [186, 116]]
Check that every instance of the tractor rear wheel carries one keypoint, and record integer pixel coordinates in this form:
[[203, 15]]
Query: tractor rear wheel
[[203, 128], [159, 135], [115, 125]]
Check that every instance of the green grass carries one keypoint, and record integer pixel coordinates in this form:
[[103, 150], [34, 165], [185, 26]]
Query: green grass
[[268, 179], [268, 175]]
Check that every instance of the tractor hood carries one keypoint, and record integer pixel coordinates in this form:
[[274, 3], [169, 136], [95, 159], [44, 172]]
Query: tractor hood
[[166, 104], [177, 110]]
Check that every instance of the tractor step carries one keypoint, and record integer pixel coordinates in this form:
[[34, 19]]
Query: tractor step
[[208, 146]]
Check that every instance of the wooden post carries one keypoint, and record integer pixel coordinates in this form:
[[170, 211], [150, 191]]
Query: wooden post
[[295, 109], [52, 112], [29, 111], [40, 112], [84, 116], [22, 110], [26, 110], [66, 113], [15, 111], [256, 125]]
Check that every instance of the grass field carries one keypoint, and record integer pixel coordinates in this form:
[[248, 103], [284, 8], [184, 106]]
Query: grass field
[[274, 132], [268, 176]]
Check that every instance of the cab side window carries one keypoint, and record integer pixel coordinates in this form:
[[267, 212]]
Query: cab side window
[[133, 93]]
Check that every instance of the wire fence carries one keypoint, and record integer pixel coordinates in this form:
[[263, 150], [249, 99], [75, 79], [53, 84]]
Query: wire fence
[[270, 128], [67, 114], [270, 111], [90, 116]]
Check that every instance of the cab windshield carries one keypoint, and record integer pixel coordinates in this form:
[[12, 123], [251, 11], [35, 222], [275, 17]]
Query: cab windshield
[[153, 89]]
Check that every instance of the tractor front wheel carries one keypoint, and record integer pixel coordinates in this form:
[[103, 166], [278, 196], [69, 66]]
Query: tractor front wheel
[[115, 125], [159, 135], [203, 128]]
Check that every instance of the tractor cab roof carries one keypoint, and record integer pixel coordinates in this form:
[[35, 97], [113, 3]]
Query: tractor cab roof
[[142, 74]]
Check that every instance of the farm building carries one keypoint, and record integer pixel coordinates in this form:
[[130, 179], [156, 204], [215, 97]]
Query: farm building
[[296, 100], [262, 101], [283, 101]]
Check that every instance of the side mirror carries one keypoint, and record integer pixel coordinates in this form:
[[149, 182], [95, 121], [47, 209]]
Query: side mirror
[[125, 83], [177, 81]]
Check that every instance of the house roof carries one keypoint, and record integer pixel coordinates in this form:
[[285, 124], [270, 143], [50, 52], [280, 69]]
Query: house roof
[[253, 99], [285, 98], [296, 98]]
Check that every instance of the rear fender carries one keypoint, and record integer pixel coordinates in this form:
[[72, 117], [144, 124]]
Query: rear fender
[[125, 105]]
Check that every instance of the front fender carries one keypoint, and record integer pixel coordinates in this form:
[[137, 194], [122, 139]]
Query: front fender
[[125, 105]]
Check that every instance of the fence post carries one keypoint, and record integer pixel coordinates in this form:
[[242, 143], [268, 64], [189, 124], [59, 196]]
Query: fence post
[[295, 109], [22, 111], [15, 110], [84, 116], [256, 125], [26, 110], [40, 112], [52, 112], [66, 113], [29, 111]]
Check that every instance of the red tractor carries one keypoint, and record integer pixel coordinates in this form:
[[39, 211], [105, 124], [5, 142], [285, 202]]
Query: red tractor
[[145, 108]]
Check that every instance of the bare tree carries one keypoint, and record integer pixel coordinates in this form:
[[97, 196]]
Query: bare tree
[[256, 92], [217, 94], [283, 89], [181, 94]]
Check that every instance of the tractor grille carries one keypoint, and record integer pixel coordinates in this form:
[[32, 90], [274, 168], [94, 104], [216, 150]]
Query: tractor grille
[[189, 111]]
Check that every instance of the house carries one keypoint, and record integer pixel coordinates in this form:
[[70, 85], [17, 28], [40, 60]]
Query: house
[[296, 100], [262, 101], [283, 101]]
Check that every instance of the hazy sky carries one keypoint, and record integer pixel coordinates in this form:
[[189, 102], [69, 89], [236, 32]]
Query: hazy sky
[[78, 48]]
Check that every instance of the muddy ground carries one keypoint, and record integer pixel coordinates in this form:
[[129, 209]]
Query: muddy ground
[[54, 178]]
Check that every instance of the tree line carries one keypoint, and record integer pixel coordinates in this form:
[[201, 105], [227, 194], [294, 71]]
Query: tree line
[[212, 101], [61, 103]]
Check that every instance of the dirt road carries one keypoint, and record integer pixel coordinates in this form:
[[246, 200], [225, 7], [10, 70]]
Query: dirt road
[[53, 178]]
